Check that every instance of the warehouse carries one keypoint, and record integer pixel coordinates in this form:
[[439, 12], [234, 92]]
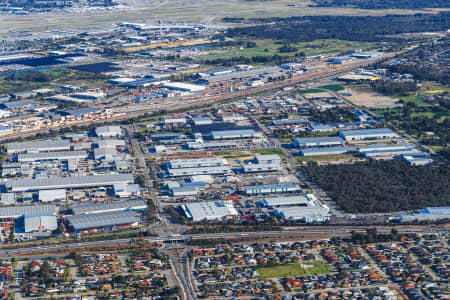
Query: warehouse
[[234, 134], [275, 202], [217, 170], [90, 223], [18, 211], [166, 136], [428, 214], [268, 159], [60, 155], [202, 121], [175, 121], [184, 87], [39, 223], [368, 134], [211, 146], [320, 128], [20, 104], [108, 131], [183, 191], [414, 160], [198, 162], [378, 147], [212, 210], [327, 151], [56, 182], [52, 195], [318, 142], [5, 130], [388, 153], [124, 190], [263, 167], [271, 189], [95, 208], [39, 146], [8, 198], [304, 214], [208, 179]]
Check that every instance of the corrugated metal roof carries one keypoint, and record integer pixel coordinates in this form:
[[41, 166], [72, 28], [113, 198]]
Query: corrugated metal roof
[[61, 155], [88, 221], [36, 145], [102, 207], [373, 131], [67, 182], [17, 211]]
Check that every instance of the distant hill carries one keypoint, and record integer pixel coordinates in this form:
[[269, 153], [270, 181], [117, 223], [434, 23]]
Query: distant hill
[[385, 4]]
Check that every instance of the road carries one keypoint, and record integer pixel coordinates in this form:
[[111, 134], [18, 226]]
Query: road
[[227, 235]]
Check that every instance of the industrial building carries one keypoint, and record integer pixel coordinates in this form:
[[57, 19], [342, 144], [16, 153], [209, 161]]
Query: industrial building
[[211, 146], [22, 185], [275, 202], [428, 214], [183, 191], [39, 146], [198, 162], [414, 160], [326, 151], [234, 134], [202, 121], [18, 211], [106, 221], [5, 130], [184, 87], [52, 195], [212, 210], [290, 122], [53, 155], [108, 131], [263, 167], [216, 170], [268, 159], [95, 208], [318, 142], [271, 189], [368, 134], [39, 223], [303, 214], [388, 153], [124, 190]]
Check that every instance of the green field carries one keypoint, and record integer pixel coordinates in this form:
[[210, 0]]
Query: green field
[[310, 91], [270, 151], [332, 87], [393, 111], [270, 47], [410, 98], [295, 269]]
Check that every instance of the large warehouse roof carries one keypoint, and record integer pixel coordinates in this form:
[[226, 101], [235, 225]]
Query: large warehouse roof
[[105, 207], [285, 201], [40, 222], [327, 150], [209, 210], [100, 220], [198, 162], [233, 134], [318, 141], [200, 171], [55, 182], [363, 133], [54, 155], [38, 146], [17, 211]]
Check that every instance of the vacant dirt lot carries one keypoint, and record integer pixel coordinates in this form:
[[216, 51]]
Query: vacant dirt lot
[[369, 99]]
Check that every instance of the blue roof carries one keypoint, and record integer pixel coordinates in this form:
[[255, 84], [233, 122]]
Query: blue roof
[[437, 210], [328, 149], [367, 131]]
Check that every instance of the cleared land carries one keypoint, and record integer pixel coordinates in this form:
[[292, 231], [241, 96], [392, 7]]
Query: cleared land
[[363, 97], [296, 269]]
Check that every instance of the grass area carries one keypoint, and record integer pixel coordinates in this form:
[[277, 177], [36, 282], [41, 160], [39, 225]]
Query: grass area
[[332, 87], [393, 111], [270, 151], [411, 98], [268, 47], [310, 91], [428, 87], [295, 269]]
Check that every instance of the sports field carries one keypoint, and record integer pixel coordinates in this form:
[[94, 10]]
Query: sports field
[[295, 269]]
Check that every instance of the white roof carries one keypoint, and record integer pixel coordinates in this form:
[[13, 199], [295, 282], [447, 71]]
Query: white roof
[[184, 86], [209, 210], [52, 195]]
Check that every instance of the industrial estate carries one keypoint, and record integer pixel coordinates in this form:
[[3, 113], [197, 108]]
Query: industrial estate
[[287, 157]]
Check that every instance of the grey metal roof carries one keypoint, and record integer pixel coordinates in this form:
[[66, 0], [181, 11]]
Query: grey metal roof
[[198, 162], [40, 222], [331, 150], [209, 210], [53, 155], [319, 140], [88, 221], [39, 145], [102, 207], [233, 133], [67, 182], [17, 211], [199, 171], [272, 187], [373, 131], [290, 121], [283, 201]]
